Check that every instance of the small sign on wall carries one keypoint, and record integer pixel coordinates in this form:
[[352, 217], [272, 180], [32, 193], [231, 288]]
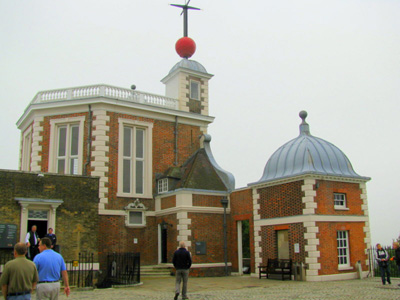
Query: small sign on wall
[[296, 248], [135, 240], [201, 248]]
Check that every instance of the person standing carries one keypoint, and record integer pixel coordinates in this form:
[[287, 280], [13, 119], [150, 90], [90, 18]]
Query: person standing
[[53, 239], [396, 256], [383, 257], [32, 241], [51, 267], [182, 261], [19, 276]]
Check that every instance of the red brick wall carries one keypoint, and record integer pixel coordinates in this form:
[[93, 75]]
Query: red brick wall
[[208, 228], [168, 202], [325, 198], [269, 241], [328, 246], [281, 200], [205, 200], [241, 203]]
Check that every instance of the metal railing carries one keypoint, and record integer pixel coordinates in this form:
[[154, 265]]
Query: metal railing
[[106, 91], [5, 256], [80, 272], [374, 267], [123, 269]]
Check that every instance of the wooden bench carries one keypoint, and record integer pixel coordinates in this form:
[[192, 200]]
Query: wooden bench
[[276, 266]]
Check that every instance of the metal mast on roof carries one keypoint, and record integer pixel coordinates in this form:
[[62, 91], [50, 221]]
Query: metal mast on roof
[[185, 9]]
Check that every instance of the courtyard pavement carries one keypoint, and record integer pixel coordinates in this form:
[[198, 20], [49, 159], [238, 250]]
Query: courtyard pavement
[[245, 287]]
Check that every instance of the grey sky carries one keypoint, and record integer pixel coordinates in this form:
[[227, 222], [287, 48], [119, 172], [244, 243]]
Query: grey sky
[[337, 59]]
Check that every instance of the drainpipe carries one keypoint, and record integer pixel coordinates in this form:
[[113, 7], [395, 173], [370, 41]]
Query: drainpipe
[[89, 141], [224, 202], [176, 141]]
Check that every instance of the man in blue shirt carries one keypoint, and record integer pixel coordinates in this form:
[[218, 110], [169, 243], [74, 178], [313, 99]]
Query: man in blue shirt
[[51, 268]]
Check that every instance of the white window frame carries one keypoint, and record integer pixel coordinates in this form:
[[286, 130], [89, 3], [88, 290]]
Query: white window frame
[[343, 249], [26, 150], [137, 207], [192, 91], [162, 185], [339, 206], [55, 124], [147, 153]]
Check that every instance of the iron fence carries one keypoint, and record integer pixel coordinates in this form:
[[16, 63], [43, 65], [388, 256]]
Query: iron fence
[[80, 272], [374, 267], [122, 269], [5, 256]]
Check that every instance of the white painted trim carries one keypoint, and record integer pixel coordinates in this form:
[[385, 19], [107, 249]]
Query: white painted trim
[[260, 185], [148, 165], [240, 247], [192, 209], [54, 123], [119, 106], [309, 218], [83, 267], [336, 277], [209, 265]]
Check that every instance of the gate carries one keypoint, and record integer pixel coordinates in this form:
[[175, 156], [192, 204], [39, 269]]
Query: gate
[[123, 268], [374, 267], [80, 272]]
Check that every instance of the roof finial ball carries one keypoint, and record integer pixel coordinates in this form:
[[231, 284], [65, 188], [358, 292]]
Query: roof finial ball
[[304, 127], [185, 47], [303, 115]]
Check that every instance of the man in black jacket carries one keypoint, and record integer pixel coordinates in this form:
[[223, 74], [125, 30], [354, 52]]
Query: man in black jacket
[[396, 256], [32, 242], [182, 261]]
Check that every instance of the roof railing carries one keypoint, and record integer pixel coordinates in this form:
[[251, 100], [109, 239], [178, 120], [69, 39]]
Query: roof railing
[[106, 91]]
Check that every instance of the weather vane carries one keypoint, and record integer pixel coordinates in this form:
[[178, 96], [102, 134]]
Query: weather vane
[[185, 9]]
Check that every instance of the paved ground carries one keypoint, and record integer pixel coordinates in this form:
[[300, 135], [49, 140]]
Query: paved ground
[[223, 288]]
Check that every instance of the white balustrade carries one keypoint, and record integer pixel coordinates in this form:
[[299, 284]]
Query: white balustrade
[[106, 91]]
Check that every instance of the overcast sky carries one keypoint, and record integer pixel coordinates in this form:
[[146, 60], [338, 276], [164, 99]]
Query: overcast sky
[[336, 59]]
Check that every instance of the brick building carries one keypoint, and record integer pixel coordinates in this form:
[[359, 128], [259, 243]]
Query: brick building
[[309, 206], [67, 203], [159, 182]]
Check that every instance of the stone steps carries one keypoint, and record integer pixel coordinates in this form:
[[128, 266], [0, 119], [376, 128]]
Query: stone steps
[[155, 271]]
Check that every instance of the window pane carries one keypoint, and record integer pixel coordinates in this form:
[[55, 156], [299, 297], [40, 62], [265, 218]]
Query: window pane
[[194, 90], [127, 141], [139, 177], [74, 140], [126, 174], [61, 166], [139, 143], [73, 168], [135, 217], [62, 140]]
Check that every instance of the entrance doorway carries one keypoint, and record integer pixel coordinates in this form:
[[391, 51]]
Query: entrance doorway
[[243, 231], [282, 237], [38, 217], [41, 227], [164, 250]]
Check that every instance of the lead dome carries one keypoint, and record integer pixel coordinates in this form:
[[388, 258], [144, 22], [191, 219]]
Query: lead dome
[[307, 154]]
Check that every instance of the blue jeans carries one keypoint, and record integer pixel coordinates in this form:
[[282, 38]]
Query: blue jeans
[[383, 271], [20, 297]]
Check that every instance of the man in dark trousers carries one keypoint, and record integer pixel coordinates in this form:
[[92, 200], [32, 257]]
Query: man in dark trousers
[[182, 261], [53, 239], [32, 242]]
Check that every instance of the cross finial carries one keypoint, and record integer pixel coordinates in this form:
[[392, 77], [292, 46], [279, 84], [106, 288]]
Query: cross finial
[[185, 9]]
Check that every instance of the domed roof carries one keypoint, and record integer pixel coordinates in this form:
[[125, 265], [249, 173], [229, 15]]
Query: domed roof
[[308, 154], [189, 64]]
